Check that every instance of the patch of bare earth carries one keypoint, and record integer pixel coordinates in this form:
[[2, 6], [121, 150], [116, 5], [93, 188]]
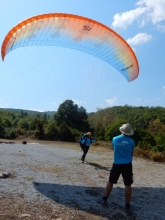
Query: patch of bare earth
[[17, 209]]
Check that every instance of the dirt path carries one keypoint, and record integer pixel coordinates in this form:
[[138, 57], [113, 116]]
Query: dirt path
[[48, 181]]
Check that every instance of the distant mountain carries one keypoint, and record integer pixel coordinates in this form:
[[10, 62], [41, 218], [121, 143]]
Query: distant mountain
[[29, 112]]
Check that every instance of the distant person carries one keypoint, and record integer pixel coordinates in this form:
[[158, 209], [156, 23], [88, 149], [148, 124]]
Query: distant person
[[85, 142], [123, 147]]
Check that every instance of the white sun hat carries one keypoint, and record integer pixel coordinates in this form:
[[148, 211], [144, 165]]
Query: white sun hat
[[126, 129]]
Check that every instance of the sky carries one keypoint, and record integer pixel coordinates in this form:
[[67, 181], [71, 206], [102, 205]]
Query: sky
[[40, 79]]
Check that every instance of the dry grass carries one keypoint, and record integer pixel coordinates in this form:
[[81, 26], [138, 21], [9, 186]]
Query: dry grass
[[48, 169], [154, 156]]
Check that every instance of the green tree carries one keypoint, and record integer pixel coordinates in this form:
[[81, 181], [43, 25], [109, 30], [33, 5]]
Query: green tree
[[7, 122], [160, 141], [145, 139], [15, 122], [11, 134], [113, 130], [23, 124], [33, 124], [40, 128], [2, 130], [65, 133], [72, 116], [154, 126], [99, 131], [52, 131]]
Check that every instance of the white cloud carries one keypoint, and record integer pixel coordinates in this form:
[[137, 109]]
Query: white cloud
[[111, 101], [154, 100], [163, 87], [4, 106], [147, 11], [78, 102], [140, 38], [156, 9], [127, 18], [161, 27], [36, 110], [138, 99]]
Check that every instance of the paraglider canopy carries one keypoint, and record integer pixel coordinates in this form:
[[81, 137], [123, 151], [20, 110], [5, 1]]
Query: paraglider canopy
[[76, 32]]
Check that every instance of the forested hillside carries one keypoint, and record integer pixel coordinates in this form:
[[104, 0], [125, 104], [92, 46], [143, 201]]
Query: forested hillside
[[148, 124], [70, 121], [151, 119]]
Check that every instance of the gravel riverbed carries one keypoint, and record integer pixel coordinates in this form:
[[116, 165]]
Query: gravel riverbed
[[48, 181]]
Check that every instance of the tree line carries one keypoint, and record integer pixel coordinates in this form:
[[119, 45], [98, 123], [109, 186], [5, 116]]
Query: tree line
[[66, 124], [148, 124], [70, 121]]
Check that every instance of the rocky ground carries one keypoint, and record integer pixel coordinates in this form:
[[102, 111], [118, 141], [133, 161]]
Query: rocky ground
[[48, 181]]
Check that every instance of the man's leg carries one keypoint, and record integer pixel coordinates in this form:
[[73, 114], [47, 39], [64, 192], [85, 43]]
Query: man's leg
[[128, 194], [108, 189], [83, 156], [128, 180], [113, 178], [85, 150]]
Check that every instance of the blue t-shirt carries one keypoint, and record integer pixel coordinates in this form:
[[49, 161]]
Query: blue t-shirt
[[87, 140], [123, 148]]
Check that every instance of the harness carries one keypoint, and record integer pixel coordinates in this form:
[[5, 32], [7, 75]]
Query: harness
[[83, 141]]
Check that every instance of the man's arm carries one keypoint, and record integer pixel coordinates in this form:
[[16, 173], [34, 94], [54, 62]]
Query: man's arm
[[93, 140]]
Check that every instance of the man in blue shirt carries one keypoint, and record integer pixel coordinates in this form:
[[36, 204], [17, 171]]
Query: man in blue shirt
[[85, 144], [123, 147]]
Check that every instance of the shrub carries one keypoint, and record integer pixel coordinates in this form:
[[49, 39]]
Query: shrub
[[142, 152], [144, 139], [157, 157], [113, 130], [153, 155], [76, 134], [52, 132], [2, 131], [159, 149], [65, 133], [11, 134]]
